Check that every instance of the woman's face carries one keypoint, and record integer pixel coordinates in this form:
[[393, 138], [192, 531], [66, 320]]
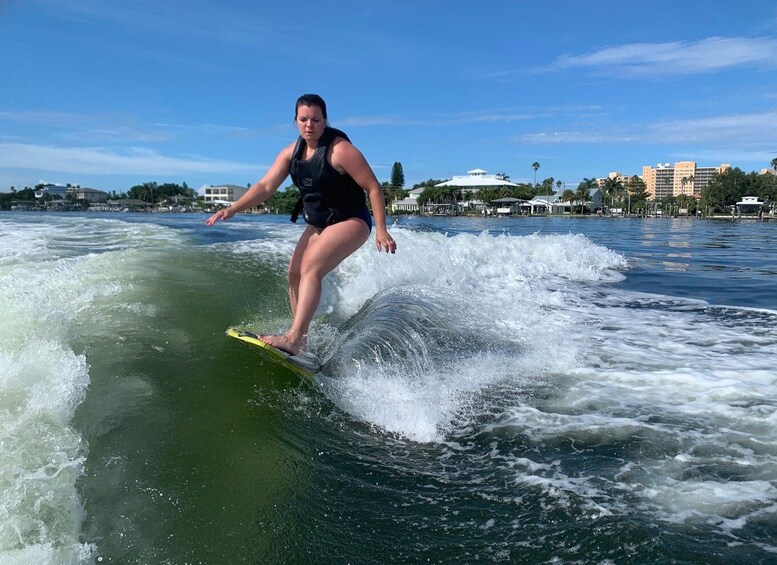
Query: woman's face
[[310, 122]]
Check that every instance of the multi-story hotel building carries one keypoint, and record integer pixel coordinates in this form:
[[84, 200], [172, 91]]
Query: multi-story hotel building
[[617, 175], [682, 178]]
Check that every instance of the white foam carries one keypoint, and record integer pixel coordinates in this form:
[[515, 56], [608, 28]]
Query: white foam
[[42, 457], [592, 364], [57, 276], [504, 289]]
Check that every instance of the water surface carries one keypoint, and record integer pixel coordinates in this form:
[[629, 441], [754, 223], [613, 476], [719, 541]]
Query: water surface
[[520, 390]]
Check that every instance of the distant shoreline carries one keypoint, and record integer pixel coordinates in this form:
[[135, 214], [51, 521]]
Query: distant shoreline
[[718, 217]]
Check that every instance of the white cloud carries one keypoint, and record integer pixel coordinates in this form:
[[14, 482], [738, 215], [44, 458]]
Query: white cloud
[[584, 137], [732, 156], [758, 129], [479, 116], [366, 121], [751, 128], [193, 18], [101, 161], [88, 128], [676, 58]]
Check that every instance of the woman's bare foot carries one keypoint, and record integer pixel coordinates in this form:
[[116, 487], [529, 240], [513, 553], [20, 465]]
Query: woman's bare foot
[[287, 342]]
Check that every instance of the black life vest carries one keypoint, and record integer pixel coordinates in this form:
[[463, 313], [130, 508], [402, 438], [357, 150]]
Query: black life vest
[[327, 196]]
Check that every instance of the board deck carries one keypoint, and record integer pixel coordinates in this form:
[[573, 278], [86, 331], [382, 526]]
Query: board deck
[[304, 364]]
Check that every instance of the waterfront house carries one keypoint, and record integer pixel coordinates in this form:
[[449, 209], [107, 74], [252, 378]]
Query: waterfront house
[[129, 205], [223, 194], [51, 192], [509, 206], [470, 184], [476, 179], [88, 194], [408, 205], [553, 204], [58, 197]]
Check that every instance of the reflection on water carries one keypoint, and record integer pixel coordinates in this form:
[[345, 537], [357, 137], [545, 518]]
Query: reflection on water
[[673, 266]]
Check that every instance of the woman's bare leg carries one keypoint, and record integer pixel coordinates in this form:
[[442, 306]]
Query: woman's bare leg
[[295, 265], [319, 253]]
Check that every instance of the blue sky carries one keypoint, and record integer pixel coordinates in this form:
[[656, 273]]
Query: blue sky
[[109, 94]]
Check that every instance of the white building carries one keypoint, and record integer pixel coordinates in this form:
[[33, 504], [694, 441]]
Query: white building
[[223, 193], [476, 179], [54, 190], [408, 204], [749, 205], [541, 204]]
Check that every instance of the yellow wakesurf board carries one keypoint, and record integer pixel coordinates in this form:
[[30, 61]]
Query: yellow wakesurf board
[[304, 364]]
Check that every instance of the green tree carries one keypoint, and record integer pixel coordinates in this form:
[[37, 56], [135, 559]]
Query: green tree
[[612, 188], [283, 201], [583, 192], [726, 189], [429, 182], [568, 196], [765, 187], [397, 175], [687, 202], [774, 164], [686, 181], [143, 191], [637, 194], [439, 195], [667, 205], [8, 199], [536, 167], [392, 193]]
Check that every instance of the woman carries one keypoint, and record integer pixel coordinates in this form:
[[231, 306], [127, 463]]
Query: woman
[[332, 176]]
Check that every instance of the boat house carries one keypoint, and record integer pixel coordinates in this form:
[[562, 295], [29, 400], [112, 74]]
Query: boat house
[[749, 205]]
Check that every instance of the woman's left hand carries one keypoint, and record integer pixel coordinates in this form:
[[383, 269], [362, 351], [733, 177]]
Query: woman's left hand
[[384, 241]]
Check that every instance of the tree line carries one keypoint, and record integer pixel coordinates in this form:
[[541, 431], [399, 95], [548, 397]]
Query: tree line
[[727, 188], [150, 192], [724, 190]]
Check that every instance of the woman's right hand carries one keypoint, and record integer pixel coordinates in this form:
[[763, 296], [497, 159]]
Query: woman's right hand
[[223, 214]]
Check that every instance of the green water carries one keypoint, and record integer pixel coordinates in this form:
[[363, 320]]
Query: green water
[[482, 399]]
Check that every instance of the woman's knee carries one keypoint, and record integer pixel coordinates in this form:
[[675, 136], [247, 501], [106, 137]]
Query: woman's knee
[[311, 268], [294, 273]]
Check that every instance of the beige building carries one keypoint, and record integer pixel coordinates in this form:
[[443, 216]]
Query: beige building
[[617, 175], [682, 178], [90, 194]]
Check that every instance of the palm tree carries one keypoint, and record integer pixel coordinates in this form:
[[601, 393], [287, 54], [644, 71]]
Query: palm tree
[[583, 192], [535, 166], [611, 187], [568, 196], [687, 202]]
